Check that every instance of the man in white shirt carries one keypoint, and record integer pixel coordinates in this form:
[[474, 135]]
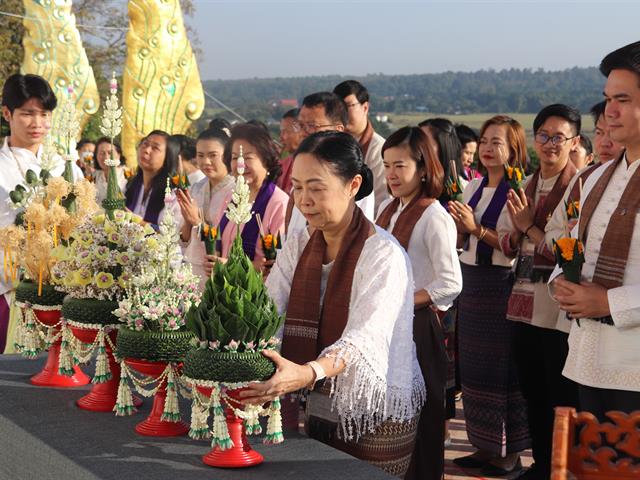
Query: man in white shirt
[[27, 104], [604, 345], [356, 98], [323, 111]]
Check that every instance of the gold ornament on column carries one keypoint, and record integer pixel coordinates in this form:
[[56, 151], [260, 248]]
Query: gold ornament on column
[[53, 49], [161, 83]]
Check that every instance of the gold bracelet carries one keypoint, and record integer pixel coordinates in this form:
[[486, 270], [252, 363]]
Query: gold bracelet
[[483, 232]]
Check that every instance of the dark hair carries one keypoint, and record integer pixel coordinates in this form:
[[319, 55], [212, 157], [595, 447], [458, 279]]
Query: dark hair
[[214, 134], [261, 140], [159, 183], [597, 111], [624, 58], [352, 87], [334, 108], [466, 134], [570, 114], [293, 113], [258, 123], [343, 153], [116, 145], [218, 123], [187, 147], [449, 147], [516, 140], [83, 142], [586, 144], [19, 89], [423, 154]]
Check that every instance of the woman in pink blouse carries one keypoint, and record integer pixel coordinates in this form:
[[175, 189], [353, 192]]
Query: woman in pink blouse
[[262, 168]]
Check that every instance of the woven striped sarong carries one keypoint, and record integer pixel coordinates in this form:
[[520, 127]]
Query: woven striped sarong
[[494, 409], [388, 447]]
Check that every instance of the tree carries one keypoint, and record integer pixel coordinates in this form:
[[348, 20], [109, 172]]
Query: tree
[[11, 32], [106, 47]]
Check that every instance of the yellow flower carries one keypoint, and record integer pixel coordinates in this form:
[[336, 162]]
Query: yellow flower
[[104, 280], [70, 279], [137, 219], [573, 209], [83, 278], [123, 280], [510, 172], [148, 230], [567, 247], [60, 253], [98, 219], [518, 175], [109, 227], [268, 241], [152, 243]]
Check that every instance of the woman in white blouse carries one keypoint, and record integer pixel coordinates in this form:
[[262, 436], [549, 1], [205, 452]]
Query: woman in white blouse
[[205, 198], [494, 409], [104, 150], [424, 228], [346, 287]]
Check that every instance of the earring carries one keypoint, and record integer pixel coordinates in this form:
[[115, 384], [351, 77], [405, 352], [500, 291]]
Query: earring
[[424, 179]]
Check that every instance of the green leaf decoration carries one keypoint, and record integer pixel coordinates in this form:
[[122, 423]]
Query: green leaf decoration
[[235, 305]]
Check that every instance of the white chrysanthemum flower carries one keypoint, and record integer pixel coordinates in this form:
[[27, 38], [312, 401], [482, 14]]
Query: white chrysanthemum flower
[[239, 208]]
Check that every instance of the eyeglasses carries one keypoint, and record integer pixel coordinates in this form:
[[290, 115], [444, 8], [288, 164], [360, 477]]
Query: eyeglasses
[[312, 127], [543, 138], [352, 105]]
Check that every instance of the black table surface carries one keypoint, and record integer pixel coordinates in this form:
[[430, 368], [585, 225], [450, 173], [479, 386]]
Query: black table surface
[[43, 436]]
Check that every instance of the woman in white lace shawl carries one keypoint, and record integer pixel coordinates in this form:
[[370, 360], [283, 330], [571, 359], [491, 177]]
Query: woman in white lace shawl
[[347, 289]]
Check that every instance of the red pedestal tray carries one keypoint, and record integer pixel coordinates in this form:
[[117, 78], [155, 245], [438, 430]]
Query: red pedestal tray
[[153, 425], [49, 375], [241, 455], [102, 397]]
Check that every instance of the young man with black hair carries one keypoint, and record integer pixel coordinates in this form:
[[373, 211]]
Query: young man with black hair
[[604, 345], [356, 98], [606, 150], [323, 111], [540, 343], [27, 105]]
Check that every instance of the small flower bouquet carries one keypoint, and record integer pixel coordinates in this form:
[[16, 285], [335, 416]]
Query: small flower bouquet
[[179, 180], [270, 245], [514, 176], [572, 208], [453, 189], [569, 254], [210, 236]]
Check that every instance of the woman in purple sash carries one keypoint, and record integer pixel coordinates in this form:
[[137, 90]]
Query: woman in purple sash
[[262, 168], [494, 408], [157, 158]]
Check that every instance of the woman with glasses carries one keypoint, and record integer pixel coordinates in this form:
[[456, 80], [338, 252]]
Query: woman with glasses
[[205, 200], [425, 230], [261, 170], [104, 151], [346, 287], [494, 409], [157, 158]]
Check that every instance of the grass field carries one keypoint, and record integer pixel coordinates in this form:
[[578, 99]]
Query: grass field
[[475, 120]]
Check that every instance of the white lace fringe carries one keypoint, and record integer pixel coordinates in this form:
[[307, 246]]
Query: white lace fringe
[[364, 400]]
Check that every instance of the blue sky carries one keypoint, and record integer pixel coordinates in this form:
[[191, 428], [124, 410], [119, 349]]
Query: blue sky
[[263, 38]]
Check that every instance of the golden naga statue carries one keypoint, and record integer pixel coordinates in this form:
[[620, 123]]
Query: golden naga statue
[[53, 49], [161, 82]]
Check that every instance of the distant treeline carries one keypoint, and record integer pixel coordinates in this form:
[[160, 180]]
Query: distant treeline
[[513, 91]]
